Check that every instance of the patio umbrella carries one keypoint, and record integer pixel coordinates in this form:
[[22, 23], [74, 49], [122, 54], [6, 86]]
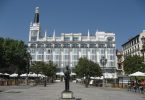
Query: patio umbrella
[[6, 74], [72, 74], [60, 73], [23, 75], [138, 73], [32, 75], [41, 75], [14, 75]]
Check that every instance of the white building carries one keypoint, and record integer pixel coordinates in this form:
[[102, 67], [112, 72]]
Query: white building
[[69, 47], [134, 45]]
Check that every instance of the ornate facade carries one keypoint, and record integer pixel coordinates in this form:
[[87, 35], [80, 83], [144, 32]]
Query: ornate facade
[[69, 47]]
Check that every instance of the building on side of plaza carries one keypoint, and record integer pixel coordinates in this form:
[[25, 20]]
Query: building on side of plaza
[[67, 48], [120, 69], [133, 46]]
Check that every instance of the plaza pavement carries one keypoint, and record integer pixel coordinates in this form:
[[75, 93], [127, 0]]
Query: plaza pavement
[[53, 92]]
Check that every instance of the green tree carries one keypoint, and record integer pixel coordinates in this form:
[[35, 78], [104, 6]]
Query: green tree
[[14, 56], [1, 53], [49, 70], [133, 64], [88, 69], [37, 67]]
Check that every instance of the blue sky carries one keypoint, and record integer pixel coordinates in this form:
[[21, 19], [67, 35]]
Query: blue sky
[[125, 18]]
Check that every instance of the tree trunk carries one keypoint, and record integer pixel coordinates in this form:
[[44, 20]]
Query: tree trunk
[[87, 82], [45, 82]]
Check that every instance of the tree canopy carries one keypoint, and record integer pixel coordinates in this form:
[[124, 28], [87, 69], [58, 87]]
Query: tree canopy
[[48, 69], [13, 56], [87, 67], [133, 64]]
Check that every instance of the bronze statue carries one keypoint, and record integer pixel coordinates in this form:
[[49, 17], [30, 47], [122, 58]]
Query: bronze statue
[[67, 78]]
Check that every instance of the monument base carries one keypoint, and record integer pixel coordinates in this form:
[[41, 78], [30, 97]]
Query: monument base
[[67, 95]]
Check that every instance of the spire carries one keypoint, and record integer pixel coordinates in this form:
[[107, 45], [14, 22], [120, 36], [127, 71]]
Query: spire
[[45, 36], [30, 23], [88, 34], [54, 35], [36, 17]]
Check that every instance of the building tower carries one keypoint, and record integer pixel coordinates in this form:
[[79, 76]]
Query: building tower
[[34, 33]]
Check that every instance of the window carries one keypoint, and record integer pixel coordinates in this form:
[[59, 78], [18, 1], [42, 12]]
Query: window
[[66, 38], [74, 51], [75, 57], [109, 38], [48, 45], [57, 45], [32, 50], [93, 51], [112, 64], [33, 45], [40, 51], [101, 45], [33, 57], [66, 57], [75, 38], [33, 38], [49, 51], [66, 45], [34, 33], [40, 57], [93, 57], [57, 51], [48, 57], [40, 45], [112, 57], [56, 57], [111, 51], [109, 45], [75, 45], [102, 51], [83, 56], [84, 51], [92, 45], [66, 51], [74, 64], [83, 45]]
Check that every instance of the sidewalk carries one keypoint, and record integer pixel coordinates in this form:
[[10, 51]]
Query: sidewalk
[[53, 92], [5, 88]]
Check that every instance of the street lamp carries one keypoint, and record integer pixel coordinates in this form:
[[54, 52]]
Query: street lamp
[[103, 62], [143, 47]]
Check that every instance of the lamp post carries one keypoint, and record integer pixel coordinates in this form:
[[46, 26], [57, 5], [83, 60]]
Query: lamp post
[[103, 62], [143, 47]]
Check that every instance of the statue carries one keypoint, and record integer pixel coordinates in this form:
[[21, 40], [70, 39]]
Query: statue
[[67, 94], [67, 78]]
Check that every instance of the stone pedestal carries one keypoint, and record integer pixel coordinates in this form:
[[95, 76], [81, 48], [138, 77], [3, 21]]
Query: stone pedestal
[[67, 95]]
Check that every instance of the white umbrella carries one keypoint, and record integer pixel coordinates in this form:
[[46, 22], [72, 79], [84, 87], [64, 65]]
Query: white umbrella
[[41, 75], [6, 74], [137, 74], [60, 73], [32, 75], [99, 78], [72, 74], [23, 75], [14, 75]]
